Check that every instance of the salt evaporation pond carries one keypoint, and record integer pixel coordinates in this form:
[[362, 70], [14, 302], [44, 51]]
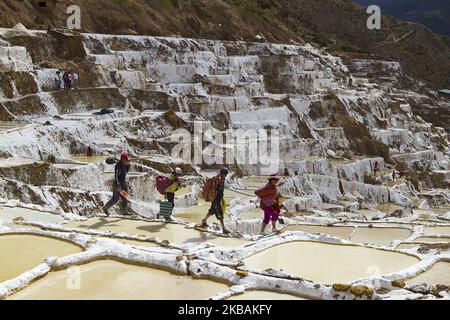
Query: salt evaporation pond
[[379, 236], [264, 295], [174, 233], [16, 162], [195, 214], [327, 263], [89, 159], [432, 240], [10, 213], [10, 125], [108, 280], [341, 232], [389, 207], [23, 252], [437, 230], [438, 274]]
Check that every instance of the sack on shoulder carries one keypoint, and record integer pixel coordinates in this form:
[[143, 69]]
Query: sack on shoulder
[[209, 189]]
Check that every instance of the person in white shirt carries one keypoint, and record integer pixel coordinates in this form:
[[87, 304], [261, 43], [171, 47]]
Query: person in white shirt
[[75, 80]]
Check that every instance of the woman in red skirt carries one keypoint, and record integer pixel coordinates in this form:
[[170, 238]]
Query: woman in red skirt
[[269, 203]]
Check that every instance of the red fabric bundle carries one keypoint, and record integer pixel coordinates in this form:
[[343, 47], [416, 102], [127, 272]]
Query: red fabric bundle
[[267, 194]]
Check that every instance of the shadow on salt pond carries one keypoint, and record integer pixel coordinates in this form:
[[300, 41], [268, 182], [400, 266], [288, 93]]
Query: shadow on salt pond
[[174, 233], [377, 236]]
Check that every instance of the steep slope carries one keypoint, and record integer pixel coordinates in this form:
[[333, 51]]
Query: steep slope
[[338, 24]]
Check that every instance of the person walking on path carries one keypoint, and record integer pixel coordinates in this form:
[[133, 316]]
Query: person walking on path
[[120, 186], [269, 203], [215, 191], [174, 186]]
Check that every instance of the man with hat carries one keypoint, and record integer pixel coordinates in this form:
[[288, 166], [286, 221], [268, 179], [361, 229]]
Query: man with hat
[[269, 202], [120, 186]]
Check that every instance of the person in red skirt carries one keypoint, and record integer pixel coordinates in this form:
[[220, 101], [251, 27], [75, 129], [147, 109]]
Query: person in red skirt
[[269, 203]]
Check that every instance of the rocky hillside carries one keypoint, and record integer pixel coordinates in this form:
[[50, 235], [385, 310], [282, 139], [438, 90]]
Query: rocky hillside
[[431, 13], [337, 24]]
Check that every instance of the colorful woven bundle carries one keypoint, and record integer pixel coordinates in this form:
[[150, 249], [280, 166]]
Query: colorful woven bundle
[[267, 194]]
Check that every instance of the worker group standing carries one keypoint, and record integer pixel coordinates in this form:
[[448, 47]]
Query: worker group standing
[[69, 80]]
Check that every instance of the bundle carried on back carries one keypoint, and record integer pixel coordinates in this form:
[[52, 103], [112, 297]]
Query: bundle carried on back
[[210, 189], [162, 183], [268, 195]]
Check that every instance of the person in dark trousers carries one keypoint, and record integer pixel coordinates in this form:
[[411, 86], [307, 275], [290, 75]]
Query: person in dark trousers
[[376, 167], [216, 205], [174, 186], [57, 81], [120, 187]]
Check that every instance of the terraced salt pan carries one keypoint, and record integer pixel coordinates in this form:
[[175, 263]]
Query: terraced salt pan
[[437, 230], [20, 253], [389, 207], [341, 232], [174, 233], [195, 214], [438, 274], [16, 162], [428, 239], [10, 125], [114, 280], [264, 295], [379, 236], [10, 213], [91, 159], [327, 263], [369, 214], [230, 194], [68, 165], [252, 182]]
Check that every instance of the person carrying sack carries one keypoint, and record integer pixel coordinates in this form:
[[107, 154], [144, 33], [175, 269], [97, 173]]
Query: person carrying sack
[[167, 186], [213, 191], [269, 203], [120, 186]]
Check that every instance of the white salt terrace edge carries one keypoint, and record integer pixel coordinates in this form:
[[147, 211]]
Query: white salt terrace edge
[[202, 261]]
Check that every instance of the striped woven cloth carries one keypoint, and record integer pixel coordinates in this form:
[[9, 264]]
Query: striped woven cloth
[[268, 194], [165, 208]]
